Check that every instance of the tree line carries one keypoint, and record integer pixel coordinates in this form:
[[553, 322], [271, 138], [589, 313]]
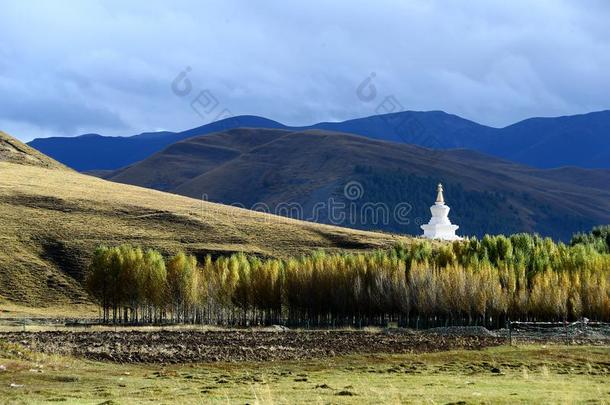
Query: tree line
[[482, 282]]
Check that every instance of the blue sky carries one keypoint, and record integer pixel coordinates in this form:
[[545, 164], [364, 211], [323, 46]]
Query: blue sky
[[74, 67]]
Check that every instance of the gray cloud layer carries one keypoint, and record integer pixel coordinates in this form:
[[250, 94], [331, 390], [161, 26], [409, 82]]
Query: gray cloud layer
[[71, 67]]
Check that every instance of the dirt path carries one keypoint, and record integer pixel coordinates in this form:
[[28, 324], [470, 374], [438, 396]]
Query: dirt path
[[206, 346]]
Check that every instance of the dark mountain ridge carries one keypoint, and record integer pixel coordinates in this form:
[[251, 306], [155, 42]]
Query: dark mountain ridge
[[577, 140]]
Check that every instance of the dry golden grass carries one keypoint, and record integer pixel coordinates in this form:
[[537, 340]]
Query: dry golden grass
[[52, 219], [12, 314], [14, 151]]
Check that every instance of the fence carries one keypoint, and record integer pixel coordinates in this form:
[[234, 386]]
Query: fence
[[579, 332]]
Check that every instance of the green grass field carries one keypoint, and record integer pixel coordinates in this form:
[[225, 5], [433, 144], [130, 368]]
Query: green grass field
[[527, 374]]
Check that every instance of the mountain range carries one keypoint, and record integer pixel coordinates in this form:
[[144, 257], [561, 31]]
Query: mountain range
[[299, 173], [578, 140]]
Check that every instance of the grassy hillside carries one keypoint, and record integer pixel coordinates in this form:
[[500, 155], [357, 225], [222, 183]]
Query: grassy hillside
[[270, 166], [13, 151], [186, 160], [51, 219]]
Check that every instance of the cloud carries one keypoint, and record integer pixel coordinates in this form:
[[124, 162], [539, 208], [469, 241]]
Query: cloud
[[107, 66], [54, 105]]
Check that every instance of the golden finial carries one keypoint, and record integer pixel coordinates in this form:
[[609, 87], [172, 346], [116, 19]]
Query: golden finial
[[439, 194]]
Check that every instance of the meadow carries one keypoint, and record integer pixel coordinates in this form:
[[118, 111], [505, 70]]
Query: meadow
[[524, 374]]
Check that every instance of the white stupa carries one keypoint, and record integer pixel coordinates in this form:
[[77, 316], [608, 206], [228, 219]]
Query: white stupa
[[439, 226]]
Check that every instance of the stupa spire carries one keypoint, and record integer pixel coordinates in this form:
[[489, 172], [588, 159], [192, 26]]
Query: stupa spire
[[440, 199]]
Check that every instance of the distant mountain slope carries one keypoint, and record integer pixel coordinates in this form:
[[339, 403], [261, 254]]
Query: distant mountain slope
[[432, 129], [97, 152], [272, 168], [52, 219], [579, 140]]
